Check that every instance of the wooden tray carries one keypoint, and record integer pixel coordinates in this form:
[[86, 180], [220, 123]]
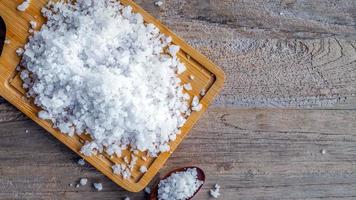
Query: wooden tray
[[207, 76]]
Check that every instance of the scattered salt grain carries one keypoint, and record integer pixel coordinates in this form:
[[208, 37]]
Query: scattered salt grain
[[148, 190], [71, 185], [133, 162], [98, 84], [81, 162], [126, 160], [20, 51], [98, 186], [202, 92], [127, 198], [122, 170], [83, 181], [7, 41], [77, 186], [196, 106], [143, 169], [173, 50], [25, 4], [188, 86], [323, 151], [215, 192], [191, 77], [181, 68], [33, 24], [26, 131], [179, 186], [159, 3]]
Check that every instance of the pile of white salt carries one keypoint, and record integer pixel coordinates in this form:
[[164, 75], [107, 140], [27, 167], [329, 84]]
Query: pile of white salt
[[96, 68]]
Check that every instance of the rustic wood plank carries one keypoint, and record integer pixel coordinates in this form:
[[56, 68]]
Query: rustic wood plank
[[251, 153], [275, 53]]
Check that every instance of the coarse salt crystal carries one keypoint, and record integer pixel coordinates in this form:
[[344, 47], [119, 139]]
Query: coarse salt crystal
[[98, 186], [81, 162], [7, 41], [191, 77], [83, 181], [24, 5], [188, 86], [33, 24], [148, 190], [215, 192], [159, 3], [196, 106], [143, 169], [202, 92]]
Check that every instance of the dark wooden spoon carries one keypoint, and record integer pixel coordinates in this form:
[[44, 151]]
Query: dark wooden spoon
[[201, 177]]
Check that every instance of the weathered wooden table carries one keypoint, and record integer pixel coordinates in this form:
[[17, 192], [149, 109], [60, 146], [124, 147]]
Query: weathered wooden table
[[283, 128]]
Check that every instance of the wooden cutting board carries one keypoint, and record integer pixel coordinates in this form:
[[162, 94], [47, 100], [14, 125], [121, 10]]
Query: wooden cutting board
[[207, 76]]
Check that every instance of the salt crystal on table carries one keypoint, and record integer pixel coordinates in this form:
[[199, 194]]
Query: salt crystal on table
[[173, 50], [20, 51], [83, 181], [98, 186], [215, 192], [7, 41], [81, 162], [127, 198], [25, 4], [159, 3], [148, 190]]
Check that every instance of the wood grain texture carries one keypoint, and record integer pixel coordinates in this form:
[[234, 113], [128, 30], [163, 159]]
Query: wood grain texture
[[251, 153], [279, 53], [304, 58]]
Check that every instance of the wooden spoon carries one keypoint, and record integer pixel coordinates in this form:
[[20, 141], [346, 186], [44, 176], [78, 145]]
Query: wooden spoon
[[200, 175]]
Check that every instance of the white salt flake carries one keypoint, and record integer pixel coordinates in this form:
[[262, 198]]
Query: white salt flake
[[97, 68], [202, 92], [215, 192], [196, 106], [7, 41], [191, 77], [26, 131], [24, 5], [148, 190], [122, 170], [181, 68], [179, 186], [81, 162], [33, 24], [159, 3], [20, 51], [98, 186], [143, 169], [188, 86], [77, 186], [83, 181]]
